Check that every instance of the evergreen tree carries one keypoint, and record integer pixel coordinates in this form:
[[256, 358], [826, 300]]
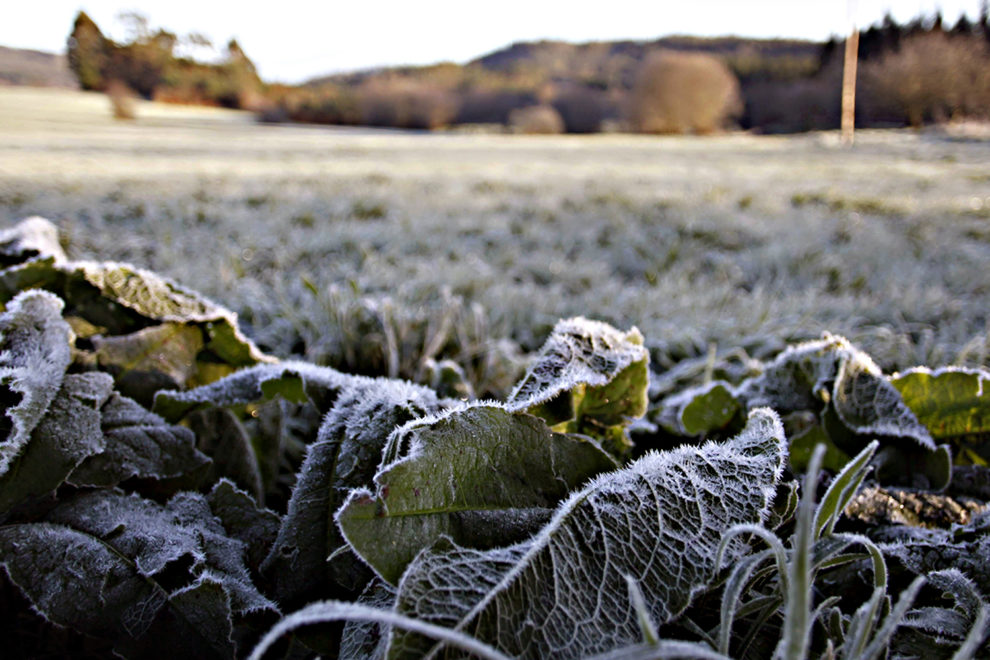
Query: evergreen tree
[[88, 53]]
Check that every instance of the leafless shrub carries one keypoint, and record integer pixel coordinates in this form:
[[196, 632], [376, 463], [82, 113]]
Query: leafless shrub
[[403, 103], [681, 93], [536, 119], [932, 77]]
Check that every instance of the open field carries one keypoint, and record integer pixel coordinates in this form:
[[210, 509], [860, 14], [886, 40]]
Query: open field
[[369, 250]]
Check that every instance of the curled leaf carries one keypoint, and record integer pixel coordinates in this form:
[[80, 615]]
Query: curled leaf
[[480, 475], [658, 521]]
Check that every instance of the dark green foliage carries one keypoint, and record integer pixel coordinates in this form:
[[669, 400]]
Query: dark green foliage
[[88, 53], [533, 527]]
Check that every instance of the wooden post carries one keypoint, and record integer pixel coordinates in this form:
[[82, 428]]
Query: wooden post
[[849, 87]]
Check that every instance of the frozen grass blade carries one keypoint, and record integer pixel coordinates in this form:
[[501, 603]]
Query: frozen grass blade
[[650, 634], [797, 607], [842, 489], [762, 532], [861, 625], [330, 610], [735, 586]]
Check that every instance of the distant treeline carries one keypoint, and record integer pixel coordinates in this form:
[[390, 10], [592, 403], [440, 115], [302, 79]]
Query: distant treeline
[[910, 74]]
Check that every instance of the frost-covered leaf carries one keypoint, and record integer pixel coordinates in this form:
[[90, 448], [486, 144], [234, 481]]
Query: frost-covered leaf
[[156, 579], [175, 543], [588, 378], [152, 299], [345, 456], [29, 239], [481, 475], [157, 317], [223, 556], [363, 640], [221, 436], [953, 404], [293, 381], [922, 551], [138, 444], [256, 423], [66, 436], [831, 371], [197, 623], [564, 593], [34, 354], [77, 579], [244, 520], [935, 632]]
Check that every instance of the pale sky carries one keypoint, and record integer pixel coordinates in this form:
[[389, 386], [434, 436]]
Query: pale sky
[[292, 40]]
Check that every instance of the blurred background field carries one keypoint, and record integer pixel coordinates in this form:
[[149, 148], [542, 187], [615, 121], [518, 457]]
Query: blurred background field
[[374, 250]]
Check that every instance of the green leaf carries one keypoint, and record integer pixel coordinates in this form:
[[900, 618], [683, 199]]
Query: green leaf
[[588, 378], [154, 358], [481, 475], [915, 466], [952, 404], [262, 382], [345, 456], [152, 299], [138, 444], [803, 444], [39, 273], [242, 519], [658, 521], [810, 376], [700, 410], [222, 437]]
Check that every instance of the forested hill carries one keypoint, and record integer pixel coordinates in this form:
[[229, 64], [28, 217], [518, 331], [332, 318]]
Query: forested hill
[[613, 62]]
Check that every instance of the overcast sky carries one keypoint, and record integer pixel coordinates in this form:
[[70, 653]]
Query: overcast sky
[[292, 40]]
